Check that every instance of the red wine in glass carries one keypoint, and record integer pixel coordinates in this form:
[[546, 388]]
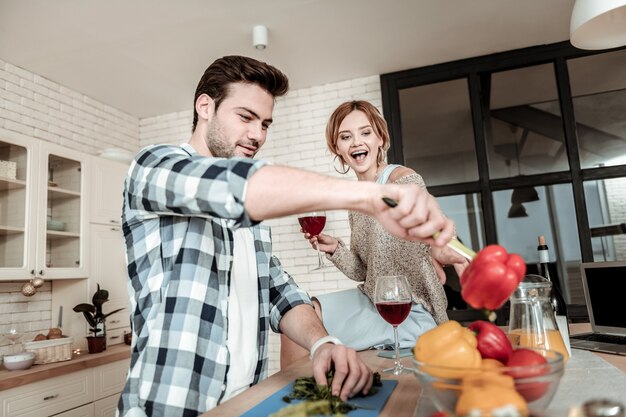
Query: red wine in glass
[[313, 223], [393, 298], [394, 313]]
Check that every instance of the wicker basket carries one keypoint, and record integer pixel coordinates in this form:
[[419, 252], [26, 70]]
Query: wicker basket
[[49, 351]]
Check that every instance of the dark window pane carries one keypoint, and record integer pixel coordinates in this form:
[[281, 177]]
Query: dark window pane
[[552, 216], [606, 209], [598, 85], [465, 211], [437, 132], [524, 129]]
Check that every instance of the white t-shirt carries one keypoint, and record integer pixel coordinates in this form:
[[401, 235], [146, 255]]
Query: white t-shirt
[[243, 315]]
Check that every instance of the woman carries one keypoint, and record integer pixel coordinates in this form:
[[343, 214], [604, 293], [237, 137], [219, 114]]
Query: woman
[[358, 137]]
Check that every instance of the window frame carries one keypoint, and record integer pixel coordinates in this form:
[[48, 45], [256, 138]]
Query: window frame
[[477, 71]]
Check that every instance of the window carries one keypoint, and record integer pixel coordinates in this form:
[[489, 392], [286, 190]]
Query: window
[[520, 144], [437, 132], [524, 130], [606, 208], [599, 98]]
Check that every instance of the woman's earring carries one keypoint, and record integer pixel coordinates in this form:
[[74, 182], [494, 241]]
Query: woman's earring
[[344, 169]]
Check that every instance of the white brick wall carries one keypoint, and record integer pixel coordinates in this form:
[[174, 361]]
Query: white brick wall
[[296, 138], [30, 315], [40, 108]]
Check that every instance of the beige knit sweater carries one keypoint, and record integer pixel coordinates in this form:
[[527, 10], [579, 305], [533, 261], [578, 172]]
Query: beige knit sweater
[[374, 252]]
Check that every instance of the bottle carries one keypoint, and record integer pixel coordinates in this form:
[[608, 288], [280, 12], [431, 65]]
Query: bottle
[[556, 298]]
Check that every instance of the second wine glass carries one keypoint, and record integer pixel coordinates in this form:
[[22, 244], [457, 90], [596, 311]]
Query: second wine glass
[[392, 295], [313, 223]]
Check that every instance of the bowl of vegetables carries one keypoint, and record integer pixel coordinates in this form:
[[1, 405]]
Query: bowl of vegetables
[[476, 371]]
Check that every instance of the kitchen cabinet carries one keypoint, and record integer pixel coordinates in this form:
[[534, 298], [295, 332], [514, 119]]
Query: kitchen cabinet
[[107, 247], [107, 186], [105, 407], [49, 397], [43, 207], [84, 411], [109, 381], [89, 392]]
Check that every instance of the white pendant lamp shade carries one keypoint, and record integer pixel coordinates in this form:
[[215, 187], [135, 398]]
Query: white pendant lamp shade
[[598, 24]]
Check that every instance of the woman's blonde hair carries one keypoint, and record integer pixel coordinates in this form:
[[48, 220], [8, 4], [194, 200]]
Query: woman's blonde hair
[[379, 125]]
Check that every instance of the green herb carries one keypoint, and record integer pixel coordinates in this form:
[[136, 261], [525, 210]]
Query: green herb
[[318, 398]]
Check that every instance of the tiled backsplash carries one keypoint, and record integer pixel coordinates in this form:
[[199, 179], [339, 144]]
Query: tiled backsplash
[[29, 315]]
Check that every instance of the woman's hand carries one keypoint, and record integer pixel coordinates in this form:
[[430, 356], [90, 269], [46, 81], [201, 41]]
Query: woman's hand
[[327, 244], [446, 256]]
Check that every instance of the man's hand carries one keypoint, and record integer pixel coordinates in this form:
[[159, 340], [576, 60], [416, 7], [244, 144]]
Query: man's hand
[[416, 217], [351, 374]]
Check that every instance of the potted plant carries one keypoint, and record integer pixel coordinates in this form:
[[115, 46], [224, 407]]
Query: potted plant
[[96, 319]]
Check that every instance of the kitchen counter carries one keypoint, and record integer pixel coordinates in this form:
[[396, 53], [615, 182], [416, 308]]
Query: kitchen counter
[[406, 399], [12, 379]]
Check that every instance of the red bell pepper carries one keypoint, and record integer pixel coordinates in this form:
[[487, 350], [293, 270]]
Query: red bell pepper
[[492, 341], [491, 277]]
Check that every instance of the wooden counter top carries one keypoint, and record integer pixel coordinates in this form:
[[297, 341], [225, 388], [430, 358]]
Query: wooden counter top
[[12, 379], [402, 402]]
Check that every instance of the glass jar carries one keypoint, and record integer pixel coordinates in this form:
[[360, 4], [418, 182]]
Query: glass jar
[[532, 322]]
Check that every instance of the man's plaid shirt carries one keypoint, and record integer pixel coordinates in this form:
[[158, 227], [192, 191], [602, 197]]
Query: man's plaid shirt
[[180, 211]]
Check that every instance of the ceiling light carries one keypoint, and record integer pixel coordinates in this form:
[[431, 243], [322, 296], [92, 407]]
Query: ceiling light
[[517, 210], [524, 195], [259, 37], [598, 24]]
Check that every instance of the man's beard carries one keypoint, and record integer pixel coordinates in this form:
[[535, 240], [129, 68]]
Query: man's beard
[[220, 146], [217, 143]]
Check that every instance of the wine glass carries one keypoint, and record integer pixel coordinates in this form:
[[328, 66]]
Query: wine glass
[[14, 335], [313, 223], [392, 296]]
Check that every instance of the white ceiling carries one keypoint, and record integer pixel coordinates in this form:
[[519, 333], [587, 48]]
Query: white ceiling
[[145, 57]]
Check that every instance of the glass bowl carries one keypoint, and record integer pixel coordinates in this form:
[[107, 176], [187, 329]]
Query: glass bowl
[[537, 384]]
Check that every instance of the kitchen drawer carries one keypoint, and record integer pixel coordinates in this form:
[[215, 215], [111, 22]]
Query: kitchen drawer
[[119, 319], [106, 407], [49, 397], [116, 336], [84, 411], [110, 379]]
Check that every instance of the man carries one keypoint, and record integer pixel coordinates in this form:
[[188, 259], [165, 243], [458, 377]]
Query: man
[[204, 286]]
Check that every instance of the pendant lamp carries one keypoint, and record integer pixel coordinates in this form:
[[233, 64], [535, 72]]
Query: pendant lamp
[[598, 24], [524, 195], [517, 210]]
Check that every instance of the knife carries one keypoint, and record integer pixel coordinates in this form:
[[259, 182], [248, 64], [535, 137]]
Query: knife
[[453, 244]]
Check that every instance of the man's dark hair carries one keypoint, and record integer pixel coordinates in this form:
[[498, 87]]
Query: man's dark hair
[[233, 69]]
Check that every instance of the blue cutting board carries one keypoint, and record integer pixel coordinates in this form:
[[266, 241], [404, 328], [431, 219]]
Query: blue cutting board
[[374, 402]]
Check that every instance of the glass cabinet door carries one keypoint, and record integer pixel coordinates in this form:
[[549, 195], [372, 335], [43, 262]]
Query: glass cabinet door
[[13, 205], [62, 204]]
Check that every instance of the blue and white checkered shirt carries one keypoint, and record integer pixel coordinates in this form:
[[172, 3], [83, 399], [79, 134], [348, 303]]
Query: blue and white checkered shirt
[[180, 211]]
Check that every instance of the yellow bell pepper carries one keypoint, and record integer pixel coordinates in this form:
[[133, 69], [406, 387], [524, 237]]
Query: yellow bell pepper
[[483, 394], [448, 345]]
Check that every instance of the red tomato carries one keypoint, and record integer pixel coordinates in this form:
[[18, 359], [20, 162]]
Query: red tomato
[[534, 365], [517, 264]]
